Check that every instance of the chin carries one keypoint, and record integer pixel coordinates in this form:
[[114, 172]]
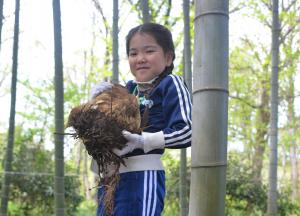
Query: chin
[[142, 79]]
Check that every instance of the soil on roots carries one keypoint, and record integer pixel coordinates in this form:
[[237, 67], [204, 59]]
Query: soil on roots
[[100, 134]]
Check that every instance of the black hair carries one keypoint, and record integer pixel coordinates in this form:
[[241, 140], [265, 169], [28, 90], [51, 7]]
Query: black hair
[[161, 34]]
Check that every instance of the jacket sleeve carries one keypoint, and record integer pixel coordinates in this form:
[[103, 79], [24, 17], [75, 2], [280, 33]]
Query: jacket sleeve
[[177, 108]]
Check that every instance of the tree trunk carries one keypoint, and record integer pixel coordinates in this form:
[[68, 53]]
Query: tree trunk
[[272, 189], [295, 170], [107, 54], [183, 184], [167, 14], [292, 142], [187, 45], [115, 77], [145, 11], [187, 77], [260, 141], [210, 107], [59, 187], [11, 130], [79, 153], [86, 181], [284, 165]]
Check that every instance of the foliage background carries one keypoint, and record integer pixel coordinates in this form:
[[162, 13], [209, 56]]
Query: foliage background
[[87, 49]]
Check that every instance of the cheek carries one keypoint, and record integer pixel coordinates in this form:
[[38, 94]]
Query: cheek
[[131, 66], [131, 63], [161, 61]]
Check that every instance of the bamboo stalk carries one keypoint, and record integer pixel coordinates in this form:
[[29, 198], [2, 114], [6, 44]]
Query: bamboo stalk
[[210, 106]]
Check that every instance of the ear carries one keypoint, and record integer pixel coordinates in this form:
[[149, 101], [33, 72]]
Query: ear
[[169, 58]]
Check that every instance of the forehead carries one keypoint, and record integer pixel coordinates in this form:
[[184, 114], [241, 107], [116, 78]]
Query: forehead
[[139, 40]]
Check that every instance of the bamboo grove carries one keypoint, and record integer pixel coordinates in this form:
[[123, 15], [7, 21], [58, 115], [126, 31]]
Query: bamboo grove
[[240, 60]]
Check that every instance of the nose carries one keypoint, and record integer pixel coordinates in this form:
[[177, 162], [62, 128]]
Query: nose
[[141, 58]]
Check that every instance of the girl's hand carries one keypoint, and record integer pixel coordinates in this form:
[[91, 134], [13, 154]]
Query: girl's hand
[[99, 88], [146, 141], [134, 141]]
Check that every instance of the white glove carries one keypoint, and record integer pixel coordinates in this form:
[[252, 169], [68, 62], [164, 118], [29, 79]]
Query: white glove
[[99, 88], [146, 141]]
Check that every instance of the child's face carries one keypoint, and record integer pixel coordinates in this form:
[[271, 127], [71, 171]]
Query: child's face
[[146, 57]]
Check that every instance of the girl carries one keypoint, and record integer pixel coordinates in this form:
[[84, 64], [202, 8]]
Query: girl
[[165, 107]]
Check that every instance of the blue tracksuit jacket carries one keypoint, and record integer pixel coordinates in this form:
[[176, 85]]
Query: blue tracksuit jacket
[[170, 112]]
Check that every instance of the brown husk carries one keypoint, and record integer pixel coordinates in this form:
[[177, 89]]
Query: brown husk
[[99, 124], [100, 134]]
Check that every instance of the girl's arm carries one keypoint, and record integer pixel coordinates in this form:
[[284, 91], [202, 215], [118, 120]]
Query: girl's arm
[[177, 109]]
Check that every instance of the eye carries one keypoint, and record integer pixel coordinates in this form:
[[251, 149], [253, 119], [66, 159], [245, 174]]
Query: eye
[[150, 51], [132, 54]]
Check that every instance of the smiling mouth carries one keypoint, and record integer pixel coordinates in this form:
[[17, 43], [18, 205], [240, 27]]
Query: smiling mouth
[[142, 68]]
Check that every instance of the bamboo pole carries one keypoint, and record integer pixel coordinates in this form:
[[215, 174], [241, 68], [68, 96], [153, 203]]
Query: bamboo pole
[[59, 180], [272, 189], [210, 106], [5, 190], [183, 190], [145, 11], [115, 77]]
